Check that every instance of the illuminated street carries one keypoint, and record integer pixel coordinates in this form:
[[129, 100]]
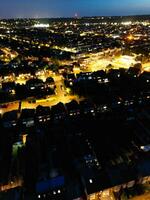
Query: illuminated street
[[11, 185], [146, 67], [104, 195], [145, 196]]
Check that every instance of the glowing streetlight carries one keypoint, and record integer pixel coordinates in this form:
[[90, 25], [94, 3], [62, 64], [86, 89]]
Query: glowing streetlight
[[130, 37]]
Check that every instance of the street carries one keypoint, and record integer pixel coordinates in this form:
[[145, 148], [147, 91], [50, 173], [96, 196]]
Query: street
[[145, 196]]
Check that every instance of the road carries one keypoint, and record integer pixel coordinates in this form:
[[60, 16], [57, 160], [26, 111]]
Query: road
[[13, 184], [146, 67], [9, 53], [145, 196], [103, 195]]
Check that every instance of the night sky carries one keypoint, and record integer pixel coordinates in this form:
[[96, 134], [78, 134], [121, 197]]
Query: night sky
[[68, 8]]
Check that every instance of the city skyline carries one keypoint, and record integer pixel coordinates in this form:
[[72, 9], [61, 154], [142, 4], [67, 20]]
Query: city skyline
[[66, 8]]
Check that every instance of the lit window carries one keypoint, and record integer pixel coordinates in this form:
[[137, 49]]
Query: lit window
[[106, 80], [90, 180]]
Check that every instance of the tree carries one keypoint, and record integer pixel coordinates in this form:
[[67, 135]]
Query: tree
[[138, 66]]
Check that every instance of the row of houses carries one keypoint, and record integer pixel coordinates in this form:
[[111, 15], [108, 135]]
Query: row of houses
[[31, 85], [60, 111], [107, 76], [41, 114]]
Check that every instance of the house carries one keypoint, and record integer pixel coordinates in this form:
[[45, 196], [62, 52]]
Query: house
[[73, 108], [27, 117], [43, 114], [84, 76], [114, 73], [10, 119], [145, 80], [37, 87], [145, 76], [58, 111], [70, 79], [100, 76], [9, 87], [35, 84], [51, 188], [87, 107], [50, 82], [134, 72]]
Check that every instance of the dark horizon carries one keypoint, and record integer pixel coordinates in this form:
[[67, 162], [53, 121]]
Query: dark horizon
[[65, 8], [81, 17]]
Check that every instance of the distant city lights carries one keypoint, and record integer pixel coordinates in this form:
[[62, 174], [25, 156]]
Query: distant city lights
[[127, 23], [41, 25]]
